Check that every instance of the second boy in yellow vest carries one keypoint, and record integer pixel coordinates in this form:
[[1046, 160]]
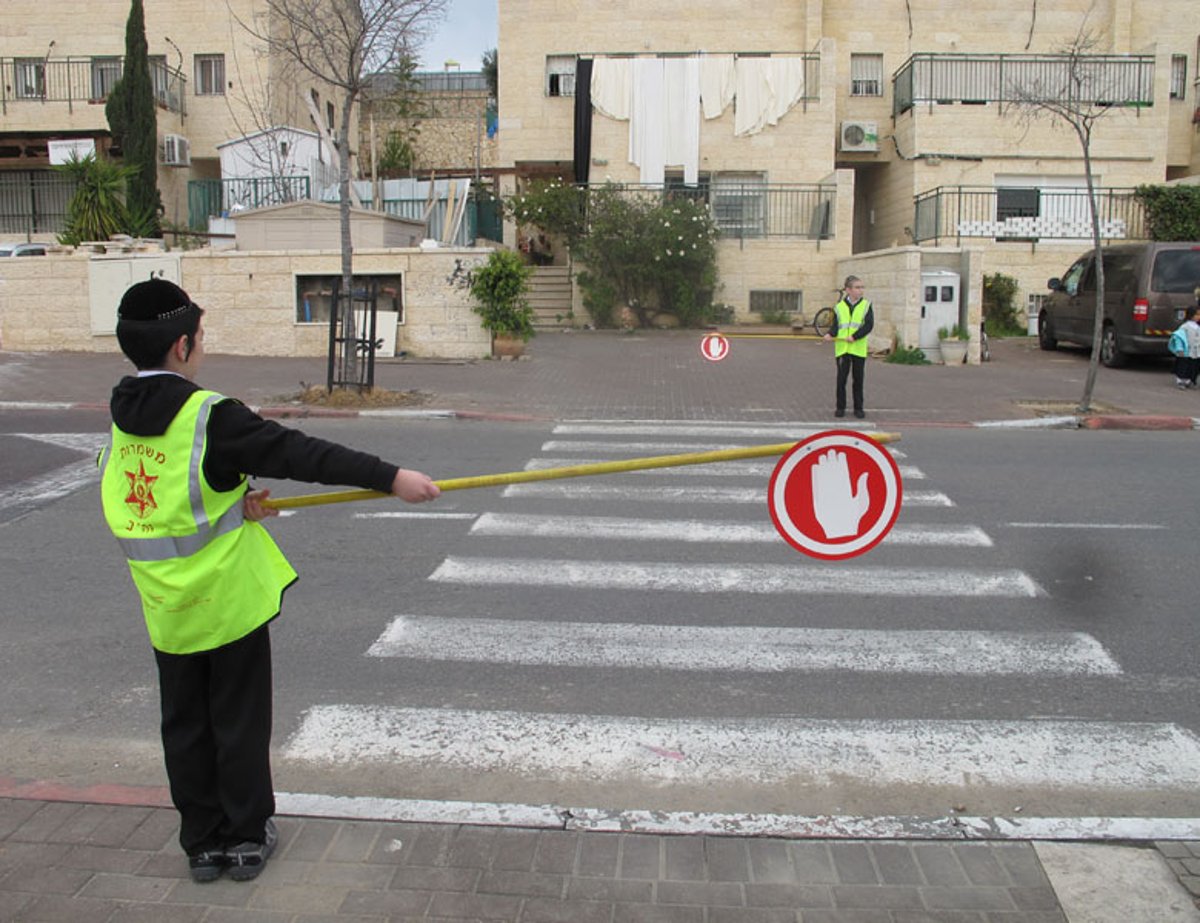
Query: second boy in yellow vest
[[855, 319]]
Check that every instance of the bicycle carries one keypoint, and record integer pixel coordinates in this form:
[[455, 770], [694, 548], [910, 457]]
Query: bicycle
[[824, 321], [985, 349]]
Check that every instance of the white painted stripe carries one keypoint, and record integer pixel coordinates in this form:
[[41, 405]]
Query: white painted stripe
[[747, 578], [692, 530], [756, 751], [50, 486], [779, 431], [751, 649], [656, 448], [1084, 525], [81, 442], [415, 515], [721, 469], [1037, 423], [699, 494], [795, 826]]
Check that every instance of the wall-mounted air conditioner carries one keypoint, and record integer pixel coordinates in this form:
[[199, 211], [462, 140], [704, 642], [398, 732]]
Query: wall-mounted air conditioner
[[859, 136], [176, 151]]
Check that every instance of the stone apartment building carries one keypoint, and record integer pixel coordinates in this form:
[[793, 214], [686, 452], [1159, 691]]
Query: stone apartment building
[[835, 136], [213, 81]]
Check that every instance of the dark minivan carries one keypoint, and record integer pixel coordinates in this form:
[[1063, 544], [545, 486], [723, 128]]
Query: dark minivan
[[1146, 288]]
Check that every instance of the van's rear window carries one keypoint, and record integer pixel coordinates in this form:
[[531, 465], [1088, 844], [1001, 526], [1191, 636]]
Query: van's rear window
[[1176, 271]]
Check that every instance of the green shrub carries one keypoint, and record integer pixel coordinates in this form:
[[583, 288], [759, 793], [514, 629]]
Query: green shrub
[[499, 288], [777, 316], [906, 355], [1000, 305], [1172, 212], [957, 332]]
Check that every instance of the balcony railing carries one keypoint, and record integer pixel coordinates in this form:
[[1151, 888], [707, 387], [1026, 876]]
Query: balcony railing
[[81, 81], [1118, 80], [1046, 213], [754, 210]]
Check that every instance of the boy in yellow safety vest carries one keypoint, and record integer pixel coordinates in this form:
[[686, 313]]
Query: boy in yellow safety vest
[[855, 319], [210, 577]]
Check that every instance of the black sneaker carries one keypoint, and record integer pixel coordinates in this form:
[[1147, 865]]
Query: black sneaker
[[839, 413], [206, 866], [859, 414], [247, 860]]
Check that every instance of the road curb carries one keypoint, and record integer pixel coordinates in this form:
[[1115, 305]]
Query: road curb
[[1141, 422]]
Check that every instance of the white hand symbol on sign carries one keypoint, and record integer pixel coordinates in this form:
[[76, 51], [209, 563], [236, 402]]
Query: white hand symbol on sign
[[837, 510]]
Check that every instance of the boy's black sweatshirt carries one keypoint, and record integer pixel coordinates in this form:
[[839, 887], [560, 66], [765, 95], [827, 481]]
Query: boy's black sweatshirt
[[240, 442]]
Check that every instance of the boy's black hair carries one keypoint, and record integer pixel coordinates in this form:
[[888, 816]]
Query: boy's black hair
[[153, 315]]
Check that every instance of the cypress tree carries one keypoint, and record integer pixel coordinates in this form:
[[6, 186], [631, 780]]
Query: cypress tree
[[132, 117]]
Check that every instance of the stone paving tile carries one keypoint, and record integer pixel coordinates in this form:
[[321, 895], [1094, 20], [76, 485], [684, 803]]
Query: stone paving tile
[[770, 862], [727, 859], [354, 842], [543, 910], [126, 887], [515, 851], [528, 884], [896, 863], [685, 858], [157, 913], [705, 893], [598, 855], [158, 830], [411, 878], [556, 851], [610, 889], [853, 864], [939, 865], [390, 903], [640, 857], [812, 863], [655, 913], [981, 865], [13, 813]]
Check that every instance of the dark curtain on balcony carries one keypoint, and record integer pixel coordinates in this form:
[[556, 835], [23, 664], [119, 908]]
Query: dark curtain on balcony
[[583, 118]]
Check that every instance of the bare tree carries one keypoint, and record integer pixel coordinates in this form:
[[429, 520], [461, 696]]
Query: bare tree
[[339, 43], [1076, 88]]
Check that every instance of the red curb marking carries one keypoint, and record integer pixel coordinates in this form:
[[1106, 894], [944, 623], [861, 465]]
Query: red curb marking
[[151, 796], [1137, 422]]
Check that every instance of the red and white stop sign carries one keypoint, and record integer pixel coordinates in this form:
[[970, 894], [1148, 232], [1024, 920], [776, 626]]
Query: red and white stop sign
[[835, 495], [714, 347]]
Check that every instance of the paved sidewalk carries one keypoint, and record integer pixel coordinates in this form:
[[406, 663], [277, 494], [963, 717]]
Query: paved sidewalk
[[76, 858], [661, 375], [61, 861]]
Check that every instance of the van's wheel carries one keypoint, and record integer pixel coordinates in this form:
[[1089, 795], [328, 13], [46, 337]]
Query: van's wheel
[[1046, 338], [1110, 353]]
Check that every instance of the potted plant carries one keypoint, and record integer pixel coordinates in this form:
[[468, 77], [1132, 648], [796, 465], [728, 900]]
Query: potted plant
[[952, 341], [498, 288]]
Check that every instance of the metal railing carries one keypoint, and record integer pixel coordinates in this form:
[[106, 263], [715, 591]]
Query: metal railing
[[1120, 80], [755, 210], [212, 197], [34, 201], [1046, 213], [81, 80]]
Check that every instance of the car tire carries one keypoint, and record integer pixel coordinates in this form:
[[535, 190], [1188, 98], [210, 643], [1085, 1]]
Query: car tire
[[1046, 338], [1110, 352]]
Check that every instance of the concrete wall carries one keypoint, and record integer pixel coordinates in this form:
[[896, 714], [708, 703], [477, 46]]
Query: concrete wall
[[250, 301]]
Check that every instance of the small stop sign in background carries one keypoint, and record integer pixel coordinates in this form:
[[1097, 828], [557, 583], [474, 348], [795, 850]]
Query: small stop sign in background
[[791, 500]]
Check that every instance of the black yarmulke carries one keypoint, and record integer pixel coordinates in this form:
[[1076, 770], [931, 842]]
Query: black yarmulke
[[154, 299]]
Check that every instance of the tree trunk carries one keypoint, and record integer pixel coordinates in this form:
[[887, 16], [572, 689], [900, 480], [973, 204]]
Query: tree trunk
[[1085, 402]]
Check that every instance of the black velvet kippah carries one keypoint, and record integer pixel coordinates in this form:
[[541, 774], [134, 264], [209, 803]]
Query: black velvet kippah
[[152, 300]]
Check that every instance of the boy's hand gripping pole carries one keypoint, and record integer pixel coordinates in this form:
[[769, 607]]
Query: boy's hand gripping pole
[[568, 471]]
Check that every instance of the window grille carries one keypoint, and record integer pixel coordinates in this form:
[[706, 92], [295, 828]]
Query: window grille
[[1178, 76], [30, 77], [105, 74], [866, 75], [776, 301], [739, 204], [560, 75]]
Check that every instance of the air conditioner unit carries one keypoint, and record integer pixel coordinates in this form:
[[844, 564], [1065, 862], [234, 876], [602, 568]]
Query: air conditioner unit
[[859, 136], [176, 151]]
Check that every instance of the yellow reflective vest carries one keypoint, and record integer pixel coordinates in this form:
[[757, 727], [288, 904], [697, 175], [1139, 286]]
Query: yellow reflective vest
[[207, 576], [849, 320]]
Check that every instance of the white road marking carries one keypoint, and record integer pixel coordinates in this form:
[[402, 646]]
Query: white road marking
[[656, 448], [81, 442], [780, 432], [1097, 755], [50, 486], [721, 469], [743, 648], [696, 494], [1084, 525], [747, 578], [415, 515], [691, 530]]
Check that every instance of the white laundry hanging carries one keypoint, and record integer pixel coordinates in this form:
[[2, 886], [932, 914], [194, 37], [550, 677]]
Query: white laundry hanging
[[612, 86], [766, 88], [682, 116], [647, 122], [717, 83]]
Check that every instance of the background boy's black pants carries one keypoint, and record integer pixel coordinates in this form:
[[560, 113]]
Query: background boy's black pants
[[216, 732], [846, 363]]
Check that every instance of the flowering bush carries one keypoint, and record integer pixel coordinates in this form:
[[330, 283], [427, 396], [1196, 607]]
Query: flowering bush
[[650, 251]]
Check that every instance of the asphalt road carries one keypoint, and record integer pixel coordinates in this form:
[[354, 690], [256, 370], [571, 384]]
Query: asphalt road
[[1041, 661]]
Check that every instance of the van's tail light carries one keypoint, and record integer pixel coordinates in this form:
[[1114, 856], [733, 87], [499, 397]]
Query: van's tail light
[[1141, 309]]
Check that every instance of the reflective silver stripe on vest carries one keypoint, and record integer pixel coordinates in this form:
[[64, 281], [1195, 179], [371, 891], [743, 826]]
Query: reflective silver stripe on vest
[[164, 549]]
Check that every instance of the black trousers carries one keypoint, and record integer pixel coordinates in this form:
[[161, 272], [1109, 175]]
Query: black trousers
[[845, 364], [216, 732]]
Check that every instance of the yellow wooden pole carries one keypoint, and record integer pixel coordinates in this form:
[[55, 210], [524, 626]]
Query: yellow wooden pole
[[568, 471]]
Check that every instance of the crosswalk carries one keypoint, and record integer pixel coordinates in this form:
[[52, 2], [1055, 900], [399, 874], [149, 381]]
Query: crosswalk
[[658, 557]]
